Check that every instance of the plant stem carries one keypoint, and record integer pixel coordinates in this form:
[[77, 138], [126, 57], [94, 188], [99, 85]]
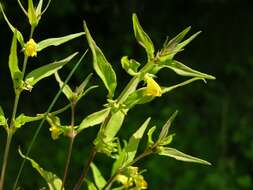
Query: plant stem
[[72, 136], [5, 160], [86, 169]]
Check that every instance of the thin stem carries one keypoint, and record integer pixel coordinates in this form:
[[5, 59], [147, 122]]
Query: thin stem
[[86, 169], [72, 136], [5, 160], [43, 120]]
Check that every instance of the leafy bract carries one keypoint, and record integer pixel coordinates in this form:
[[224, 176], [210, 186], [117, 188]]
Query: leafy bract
[[53, 182], [16, 74], [98, 178], [45, 71], [102, 67], [131, 66], [171, 152], [57, 41], [13, 29], [142, 38], [94, 119]]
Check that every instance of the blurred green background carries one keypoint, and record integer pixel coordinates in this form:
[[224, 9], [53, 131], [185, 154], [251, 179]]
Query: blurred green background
[[214, 121]]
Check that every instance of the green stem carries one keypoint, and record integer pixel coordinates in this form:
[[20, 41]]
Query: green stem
[[5, 160], [86, 169], [72, 136]]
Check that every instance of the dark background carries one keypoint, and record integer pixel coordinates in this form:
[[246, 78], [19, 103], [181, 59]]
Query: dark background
[[214, 121]]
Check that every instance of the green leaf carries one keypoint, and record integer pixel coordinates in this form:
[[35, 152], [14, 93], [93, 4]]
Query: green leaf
[[23, 119], [93, 119], [66, 89], [91, 186], [150, 135], [131, 66], [171, 152], [53, 181], [128, 154], [183, 70], [114, 125], [13, 29], [137, 97], [98, 178], [166, 127], [45, 71], [142, 38], [170, 88], [57, 41], [3, 120], [16, 74], [102, 67]]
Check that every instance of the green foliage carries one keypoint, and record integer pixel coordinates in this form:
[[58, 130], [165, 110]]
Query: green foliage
[[110, 118]]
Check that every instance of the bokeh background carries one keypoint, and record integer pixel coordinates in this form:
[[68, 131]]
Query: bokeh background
[[214, 121]]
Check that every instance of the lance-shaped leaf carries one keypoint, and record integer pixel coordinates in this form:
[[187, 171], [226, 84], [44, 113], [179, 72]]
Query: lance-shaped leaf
[[183, 70], [53, 181], [166, 127], [113, 126], [66, 89], [94, 119], [3, 120], [45, 71], [23, 119], [13, 29], [170, 88], [131, 66], [102, 67], [150, 136], [142, 38], [137, 97], [128, 154], [57, 41], [98, 177], [16, 74], [171, 152]]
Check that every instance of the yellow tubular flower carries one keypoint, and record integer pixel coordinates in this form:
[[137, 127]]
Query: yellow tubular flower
[[152, 89], [55, 132], [31, 48]]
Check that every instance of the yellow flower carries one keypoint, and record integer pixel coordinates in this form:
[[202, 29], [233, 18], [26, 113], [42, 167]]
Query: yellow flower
[[140, 183], [31, 48], [152, 89], [124, 180], [55, 132]]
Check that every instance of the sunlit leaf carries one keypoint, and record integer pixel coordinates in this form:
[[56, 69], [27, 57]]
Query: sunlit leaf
[[102, 67], [23, 119], [16, 74], [171, 152], [93, 119], [142, 38], [13, 29], [53, 182], [45, 71], [98, 178], [57, 41], [66, 89]]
